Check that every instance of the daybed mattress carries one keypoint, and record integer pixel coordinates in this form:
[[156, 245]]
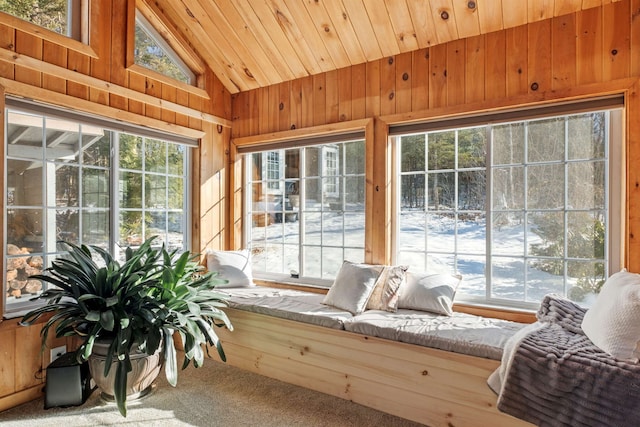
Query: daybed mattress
[[288, 304], [460, 333]]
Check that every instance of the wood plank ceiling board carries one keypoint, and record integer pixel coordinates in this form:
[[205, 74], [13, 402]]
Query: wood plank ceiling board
[[254, 24], [313, 38], [292, 30], [566, 6], [324, 26], [444, 20], [379, 17], [189, 23], [466, 18], [267, 17], [363, 29], [539, 10], [258, 43], [245, 37], [403, 25], [423, 22], [344, 29], [515, 15], [255, 62], [490, 14]]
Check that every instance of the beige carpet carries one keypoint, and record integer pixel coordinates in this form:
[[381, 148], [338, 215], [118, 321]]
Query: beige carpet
[[213, 395]]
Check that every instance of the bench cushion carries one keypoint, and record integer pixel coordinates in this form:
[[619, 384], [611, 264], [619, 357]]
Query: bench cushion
[[289, 304], [460, 332]]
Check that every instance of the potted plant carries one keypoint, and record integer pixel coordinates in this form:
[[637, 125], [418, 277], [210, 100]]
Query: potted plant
[[122, 311]]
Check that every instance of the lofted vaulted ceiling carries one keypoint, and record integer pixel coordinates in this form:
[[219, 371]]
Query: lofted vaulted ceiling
[[257, 43]]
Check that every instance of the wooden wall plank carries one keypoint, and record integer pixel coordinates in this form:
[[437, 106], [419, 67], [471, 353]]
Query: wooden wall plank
[[169, 93], [456, 72], [474, 69], [539, 56], [80, 63], [182, 98], [7, 41], [359, 91], [137, 82], [617, 51], [29, 45], [118, 72], [635, 37], [284, 106], [495, 68], [388, 85], [344, 94], [438, 76], [319, 99], [632, 157], [153, 87], [306, 105], [295, 103], [373, 88], [420, 80], [404, 74], [517, 60], [563, 51], [8, 365], [333, 100], [100, 34], [54, 54], [589, 49], [273, 111], [28, 371]]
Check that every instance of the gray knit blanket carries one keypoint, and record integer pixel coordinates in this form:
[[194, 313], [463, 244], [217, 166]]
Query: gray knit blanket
[[553, 375]]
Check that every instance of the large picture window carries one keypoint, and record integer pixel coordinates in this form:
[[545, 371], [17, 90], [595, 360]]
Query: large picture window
[[85, 184], [519, 209], [305, 210]]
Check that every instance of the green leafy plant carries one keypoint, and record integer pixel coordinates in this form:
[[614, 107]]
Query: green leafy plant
[[139, 304]]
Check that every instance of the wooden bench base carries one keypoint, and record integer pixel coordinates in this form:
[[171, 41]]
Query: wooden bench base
[[430, 386]]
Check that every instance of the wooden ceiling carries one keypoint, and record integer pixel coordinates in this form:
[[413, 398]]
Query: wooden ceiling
[[257, 43]]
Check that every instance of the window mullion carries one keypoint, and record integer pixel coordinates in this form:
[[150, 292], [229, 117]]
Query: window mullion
[[489, 211]]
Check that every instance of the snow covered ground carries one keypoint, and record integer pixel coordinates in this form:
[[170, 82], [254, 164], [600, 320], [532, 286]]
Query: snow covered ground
[[275, 250]]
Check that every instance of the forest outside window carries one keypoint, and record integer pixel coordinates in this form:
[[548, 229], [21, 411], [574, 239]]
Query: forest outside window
[[85, 184], [153, 52], [64, 17], [305, 210], [519, 209]]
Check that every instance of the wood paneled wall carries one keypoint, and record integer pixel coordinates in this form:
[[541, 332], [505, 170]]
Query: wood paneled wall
[[583, 54], [94, 78]]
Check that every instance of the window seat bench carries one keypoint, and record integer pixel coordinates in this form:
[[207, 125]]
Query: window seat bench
[[427, 368]]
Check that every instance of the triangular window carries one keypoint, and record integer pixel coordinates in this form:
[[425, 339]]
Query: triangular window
[[153, 52]]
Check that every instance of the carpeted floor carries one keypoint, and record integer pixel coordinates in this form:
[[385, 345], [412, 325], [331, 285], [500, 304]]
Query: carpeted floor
[[213, 395]]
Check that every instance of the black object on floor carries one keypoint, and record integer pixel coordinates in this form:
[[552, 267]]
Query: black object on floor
[[68, 382]]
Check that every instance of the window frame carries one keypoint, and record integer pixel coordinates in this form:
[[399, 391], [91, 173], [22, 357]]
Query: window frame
[[343, 131], [9, 310], [169, 37], [80, 41], [614, 180]]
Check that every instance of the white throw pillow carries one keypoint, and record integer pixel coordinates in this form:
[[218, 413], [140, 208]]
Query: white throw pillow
[[429, 292], [233, 266], [385, 295], [352, 287], [613, 322]]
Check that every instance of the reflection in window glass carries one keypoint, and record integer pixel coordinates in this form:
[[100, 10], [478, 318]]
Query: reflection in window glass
[[306, 209], [58, 177], [531, 221]]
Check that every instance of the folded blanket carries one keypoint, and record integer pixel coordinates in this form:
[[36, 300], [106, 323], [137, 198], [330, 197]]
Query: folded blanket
[[553, 375]]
